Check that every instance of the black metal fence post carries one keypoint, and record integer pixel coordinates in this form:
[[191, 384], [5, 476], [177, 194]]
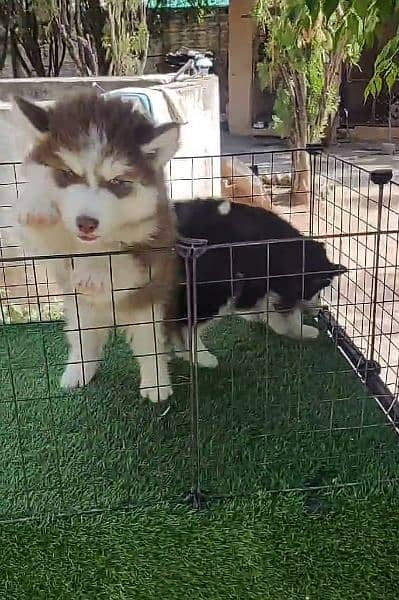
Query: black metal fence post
[[314, 150], [190, 250], [380, 177]]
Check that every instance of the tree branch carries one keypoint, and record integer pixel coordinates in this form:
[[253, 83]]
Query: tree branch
[[3, 55]]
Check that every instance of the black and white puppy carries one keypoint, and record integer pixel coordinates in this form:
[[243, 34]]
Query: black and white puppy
[[265, 270]]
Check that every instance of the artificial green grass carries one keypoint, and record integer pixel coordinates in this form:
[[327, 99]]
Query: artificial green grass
[[250, 550], [275, 415]]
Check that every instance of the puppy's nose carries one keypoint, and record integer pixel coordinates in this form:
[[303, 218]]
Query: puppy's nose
[[86, 224]]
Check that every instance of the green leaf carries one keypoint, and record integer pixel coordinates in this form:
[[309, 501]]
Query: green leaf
[[363, 7], [293, 14], [313, 7], [329, 7], [377, 84], [369, 91], [391, 77], [287, 38], [386, 9]]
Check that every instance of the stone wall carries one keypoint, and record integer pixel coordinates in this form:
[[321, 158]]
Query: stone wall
[[172, 31], [181, 28]]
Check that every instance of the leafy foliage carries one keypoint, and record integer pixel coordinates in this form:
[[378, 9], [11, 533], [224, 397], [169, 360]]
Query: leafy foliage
[[307, 41], [102, 37], [126, 36], [27, 27], [282, 115], [386, 68], [106, 37]]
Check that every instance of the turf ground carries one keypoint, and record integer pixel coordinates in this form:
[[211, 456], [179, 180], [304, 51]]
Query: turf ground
[[275, 415]]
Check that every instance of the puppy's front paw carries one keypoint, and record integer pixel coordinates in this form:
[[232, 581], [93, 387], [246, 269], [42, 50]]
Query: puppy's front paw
[[39, 216], [156, 394], [207, 360], [309, 333], [74, 378], [90, 285]]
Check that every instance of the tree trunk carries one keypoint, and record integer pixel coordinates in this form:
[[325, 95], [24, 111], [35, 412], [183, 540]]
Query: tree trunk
[[30, 41], [65, 22], [144, 56], [330, 134], [4, 49], [300, 189], [19, 67], [95, 20], [143, 59]]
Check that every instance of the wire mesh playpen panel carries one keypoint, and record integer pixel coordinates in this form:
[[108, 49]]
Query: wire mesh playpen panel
[[20, 281], [364, 218], [98, 447], [274, 415], [185, 178], [283, 414]]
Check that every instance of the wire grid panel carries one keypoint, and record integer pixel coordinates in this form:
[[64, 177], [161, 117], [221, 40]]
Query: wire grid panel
[[364, 217], [271, 416], [185, 178], [281, 414], [263, 179], [98, 447]]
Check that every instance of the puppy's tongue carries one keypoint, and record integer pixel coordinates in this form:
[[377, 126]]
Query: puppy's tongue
[[88, 237]]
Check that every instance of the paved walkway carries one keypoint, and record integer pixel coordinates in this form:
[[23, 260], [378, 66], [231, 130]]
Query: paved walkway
[[365, 155], [346, 204]]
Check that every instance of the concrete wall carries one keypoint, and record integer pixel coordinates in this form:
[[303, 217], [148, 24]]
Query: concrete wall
[[46, 88], [182, 28]]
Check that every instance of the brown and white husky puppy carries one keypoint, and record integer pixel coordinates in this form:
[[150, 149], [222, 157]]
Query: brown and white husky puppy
[[96, 185]]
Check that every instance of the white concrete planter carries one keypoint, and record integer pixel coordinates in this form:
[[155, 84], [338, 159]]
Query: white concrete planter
[[388, 148]]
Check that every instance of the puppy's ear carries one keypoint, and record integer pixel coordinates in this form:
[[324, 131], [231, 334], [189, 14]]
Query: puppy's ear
[[313, 244], [164, 144], [37, 117], [321, 282], [338, 269], [29, 122]]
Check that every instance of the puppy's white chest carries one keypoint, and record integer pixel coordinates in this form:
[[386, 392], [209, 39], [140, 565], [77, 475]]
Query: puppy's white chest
[[106, 279]]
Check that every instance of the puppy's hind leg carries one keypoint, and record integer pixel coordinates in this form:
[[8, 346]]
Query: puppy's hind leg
[[312, 307], [205, 358], [289, 324]]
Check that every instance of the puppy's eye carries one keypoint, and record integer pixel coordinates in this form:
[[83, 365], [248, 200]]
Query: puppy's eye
[[120, 187], [120, 182], [68, 173], [66, 177]]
